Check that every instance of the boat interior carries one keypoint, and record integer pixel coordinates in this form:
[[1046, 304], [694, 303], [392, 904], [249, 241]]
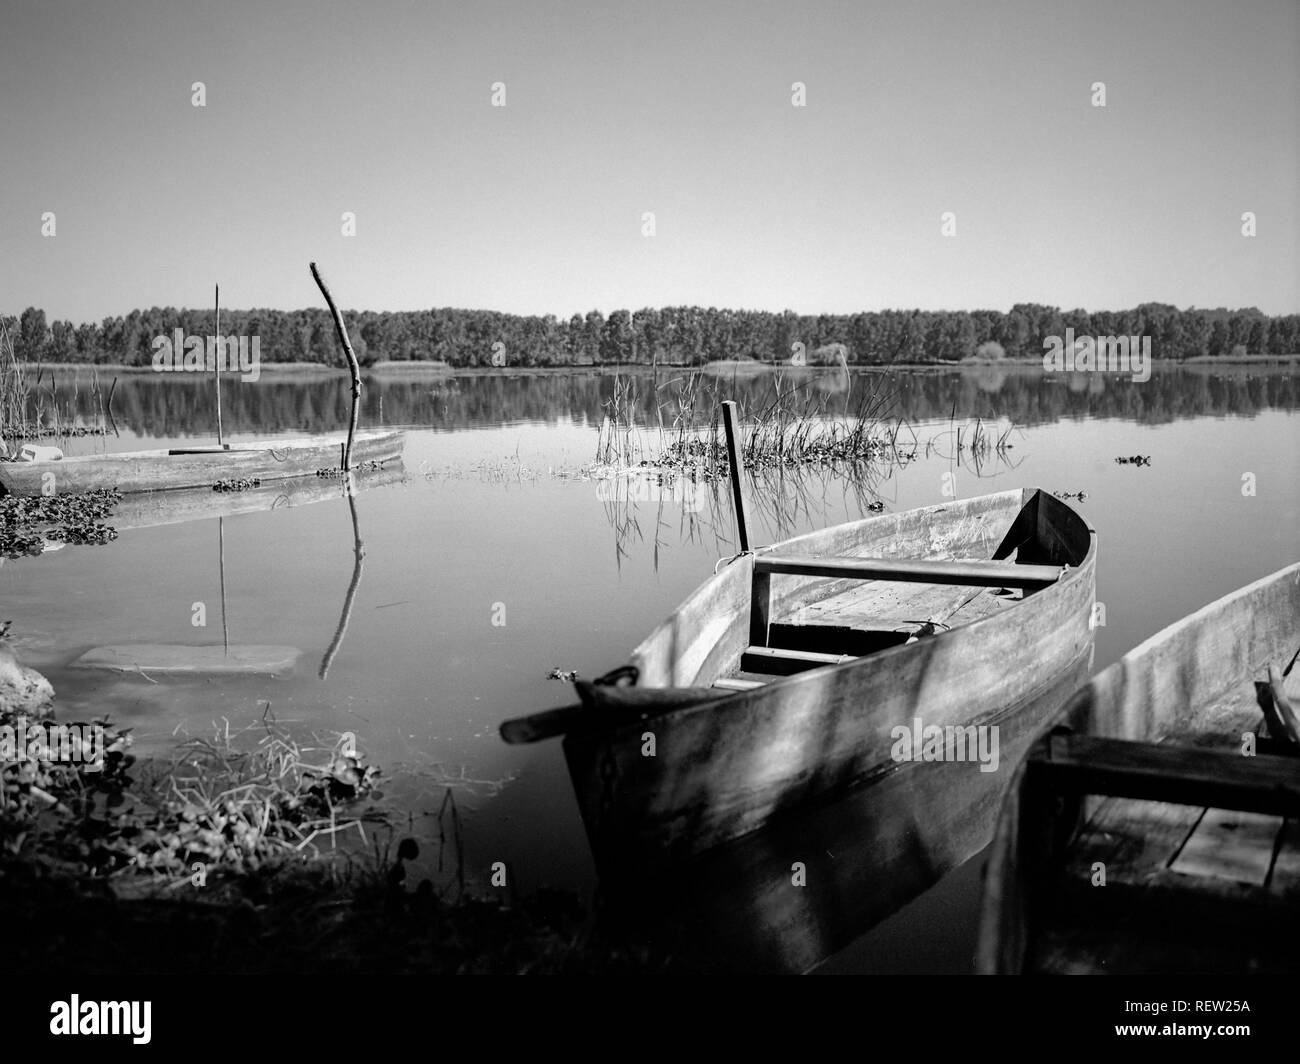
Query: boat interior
[[1182, 834], [833, 596]]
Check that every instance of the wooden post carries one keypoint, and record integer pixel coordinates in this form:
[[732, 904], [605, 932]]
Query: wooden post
[[733, 457], [342, 330], [216, 360]]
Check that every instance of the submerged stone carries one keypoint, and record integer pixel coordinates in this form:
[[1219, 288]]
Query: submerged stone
[[23, 690]]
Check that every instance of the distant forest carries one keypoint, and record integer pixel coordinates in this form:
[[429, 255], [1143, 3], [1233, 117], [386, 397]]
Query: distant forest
[[673, 335]]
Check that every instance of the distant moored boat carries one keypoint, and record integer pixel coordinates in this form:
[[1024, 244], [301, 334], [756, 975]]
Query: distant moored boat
[[197, 467]]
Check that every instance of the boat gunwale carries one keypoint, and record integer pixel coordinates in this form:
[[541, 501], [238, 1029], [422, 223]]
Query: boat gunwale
[[729, 700], [262, 444]]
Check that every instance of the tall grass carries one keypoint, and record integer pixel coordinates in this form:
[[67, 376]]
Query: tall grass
[[32, 410], [791, 428]]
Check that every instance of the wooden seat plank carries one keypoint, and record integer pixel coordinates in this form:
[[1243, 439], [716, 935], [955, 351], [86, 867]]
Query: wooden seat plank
[[777, 661], [1164, 772], [974, 572]]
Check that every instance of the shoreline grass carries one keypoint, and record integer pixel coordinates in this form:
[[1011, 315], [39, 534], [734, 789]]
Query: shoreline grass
[[269, 856]]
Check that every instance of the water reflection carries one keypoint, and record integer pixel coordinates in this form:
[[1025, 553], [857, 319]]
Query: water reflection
[[151, 406], [424, 679]]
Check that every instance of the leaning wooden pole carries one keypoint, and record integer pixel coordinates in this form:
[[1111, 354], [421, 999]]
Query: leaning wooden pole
[[733, 457], [355, 369]]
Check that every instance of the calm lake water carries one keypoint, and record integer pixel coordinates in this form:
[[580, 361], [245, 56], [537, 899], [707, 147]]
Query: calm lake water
[[493, 521]]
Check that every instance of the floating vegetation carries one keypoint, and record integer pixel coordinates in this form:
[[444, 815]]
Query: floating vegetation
[[507, 470], [1080, 495], [37, 786], [90, 532], [359, 467], [238, 483], [1137, 460], [44, 432], [567, 675], [28, 521]]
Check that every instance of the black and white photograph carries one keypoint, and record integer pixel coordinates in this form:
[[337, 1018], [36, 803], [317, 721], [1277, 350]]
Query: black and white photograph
[[617, 488]]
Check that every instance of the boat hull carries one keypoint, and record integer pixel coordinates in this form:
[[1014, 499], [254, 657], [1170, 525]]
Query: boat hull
[[683, 781], [160, 470], [864, 855]]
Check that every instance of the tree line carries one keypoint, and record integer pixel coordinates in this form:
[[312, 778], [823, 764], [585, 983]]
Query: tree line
[[667, 336]]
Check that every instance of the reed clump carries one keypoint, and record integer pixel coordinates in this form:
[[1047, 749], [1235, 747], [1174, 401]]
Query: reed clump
[[30, 410], [793, 429]]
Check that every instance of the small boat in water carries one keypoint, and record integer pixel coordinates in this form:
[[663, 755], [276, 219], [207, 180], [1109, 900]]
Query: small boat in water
[[1154, 828], [197, 467], [804, 669]]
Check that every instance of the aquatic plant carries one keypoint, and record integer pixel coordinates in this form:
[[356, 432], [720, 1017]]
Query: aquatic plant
[[229, 810], [27, 521], [358, 467], [237, 484], [793, 428]]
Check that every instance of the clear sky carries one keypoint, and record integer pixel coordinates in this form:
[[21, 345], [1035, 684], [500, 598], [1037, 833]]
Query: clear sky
[[384, 108]]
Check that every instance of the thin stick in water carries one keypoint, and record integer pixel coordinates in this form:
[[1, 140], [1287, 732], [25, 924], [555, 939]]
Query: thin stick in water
[[733, 457]]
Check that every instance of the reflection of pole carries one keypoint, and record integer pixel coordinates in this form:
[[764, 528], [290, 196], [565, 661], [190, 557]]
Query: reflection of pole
[[358, 552], [221, 554]]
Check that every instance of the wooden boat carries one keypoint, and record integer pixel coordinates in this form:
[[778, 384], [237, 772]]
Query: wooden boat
[[198, 467], [785, 677], [1137, 838]]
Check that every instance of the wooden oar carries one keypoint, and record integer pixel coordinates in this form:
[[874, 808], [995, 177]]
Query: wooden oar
[[631, 705], [544, 725]]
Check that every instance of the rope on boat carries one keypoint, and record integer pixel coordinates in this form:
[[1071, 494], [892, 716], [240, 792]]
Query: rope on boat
[[755, 551]]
